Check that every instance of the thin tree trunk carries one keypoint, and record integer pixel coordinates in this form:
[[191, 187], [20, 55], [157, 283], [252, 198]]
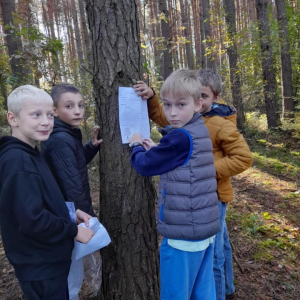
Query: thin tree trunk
[[235, 80], [196, 33], [202, 35], [286, 66], [127, 200], [269, 76], [165, 30], [13, 42]]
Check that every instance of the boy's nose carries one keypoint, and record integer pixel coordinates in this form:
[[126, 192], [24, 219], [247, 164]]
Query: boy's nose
[[173, 111], [76, 111], [44, 120]]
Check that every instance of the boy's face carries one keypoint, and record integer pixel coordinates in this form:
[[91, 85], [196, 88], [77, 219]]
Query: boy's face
[[34, 123], [70, 109], [208, 99], [180, 110]]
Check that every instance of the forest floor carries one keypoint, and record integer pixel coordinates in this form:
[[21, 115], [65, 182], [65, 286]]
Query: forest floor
[[263, 222]]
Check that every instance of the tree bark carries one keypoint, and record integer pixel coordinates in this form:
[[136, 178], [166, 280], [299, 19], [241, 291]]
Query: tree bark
[[165, 30], [235, 79], [127, 200], [288, 108], [13, 42], [202, 35], [269, 75], [185, 34]]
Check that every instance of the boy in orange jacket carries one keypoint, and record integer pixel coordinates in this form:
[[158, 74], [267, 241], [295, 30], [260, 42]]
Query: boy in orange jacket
[[232, 157]]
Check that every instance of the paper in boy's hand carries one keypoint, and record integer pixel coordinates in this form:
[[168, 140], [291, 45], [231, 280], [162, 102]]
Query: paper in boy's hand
[[133, 114], [98, 241]]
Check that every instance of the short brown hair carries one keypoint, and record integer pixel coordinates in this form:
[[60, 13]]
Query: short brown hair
[[210, 78], [63, 88]]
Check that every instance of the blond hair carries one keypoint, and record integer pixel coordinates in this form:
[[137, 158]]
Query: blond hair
[[26, 93], [182, 83]]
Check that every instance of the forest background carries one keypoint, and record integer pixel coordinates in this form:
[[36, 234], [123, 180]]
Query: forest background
[[253, 44]]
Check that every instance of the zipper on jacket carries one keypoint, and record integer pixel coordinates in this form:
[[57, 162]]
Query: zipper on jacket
[[163, 205]]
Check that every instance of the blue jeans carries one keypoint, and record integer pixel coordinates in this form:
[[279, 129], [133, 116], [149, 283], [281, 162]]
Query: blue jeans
[[223, 270], [186, 275]]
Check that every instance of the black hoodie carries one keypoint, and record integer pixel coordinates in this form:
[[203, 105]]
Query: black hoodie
[[68, 160], [37, 233]]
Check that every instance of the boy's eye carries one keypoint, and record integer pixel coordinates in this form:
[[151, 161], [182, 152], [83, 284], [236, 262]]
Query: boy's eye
[[35, 114], [181, 104], [68, 106], [51, 115], [203, 96], [81, 105], [166, 104]]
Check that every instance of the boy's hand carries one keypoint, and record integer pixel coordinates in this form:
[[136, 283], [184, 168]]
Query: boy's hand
[[84, 234], [148, 144], [136, 138], [143, 90], [95, 141], [81, 216]]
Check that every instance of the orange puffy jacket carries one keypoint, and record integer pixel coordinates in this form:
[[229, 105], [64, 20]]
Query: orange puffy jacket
[[231, 152]]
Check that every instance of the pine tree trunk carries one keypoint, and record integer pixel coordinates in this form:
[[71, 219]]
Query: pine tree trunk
[[269, 75], [286, 66], [165, 31], [13, 41], [235, 80], [127, 200]]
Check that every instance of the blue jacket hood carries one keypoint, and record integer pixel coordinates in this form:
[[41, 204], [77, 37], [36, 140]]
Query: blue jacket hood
[[221, 110]]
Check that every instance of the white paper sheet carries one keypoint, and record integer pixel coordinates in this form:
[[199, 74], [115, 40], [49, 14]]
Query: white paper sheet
[[98, 241], [133, 114]]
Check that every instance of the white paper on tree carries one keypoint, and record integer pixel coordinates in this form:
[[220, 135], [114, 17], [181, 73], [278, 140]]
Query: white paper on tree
[[133, 114], [98, 241]]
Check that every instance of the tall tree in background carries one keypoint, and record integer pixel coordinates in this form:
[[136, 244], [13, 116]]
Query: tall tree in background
[[235, 80], [13, 42], [268, 70], [165, 31], [127, 200], [286, 66]]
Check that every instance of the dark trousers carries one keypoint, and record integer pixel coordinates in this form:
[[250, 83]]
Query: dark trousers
[[48, 289]]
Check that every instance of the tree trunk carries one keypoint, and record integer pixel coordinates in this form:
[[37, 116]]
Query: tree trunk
[[185, 34], [202, 35], [288, 108], [208, 36], [269, 75], [235, 79], [165, 30], [127, 200], [13, 41], [196, 33], [85, 32]]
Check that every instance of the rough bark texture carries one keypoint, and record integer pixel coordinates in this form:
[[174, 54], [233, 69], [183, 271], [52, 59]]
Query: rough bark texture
[[202, 36], [210, 63], [165, 31], [127, 200], [13, 41], [286, 66], [235, 80], [268, 70]]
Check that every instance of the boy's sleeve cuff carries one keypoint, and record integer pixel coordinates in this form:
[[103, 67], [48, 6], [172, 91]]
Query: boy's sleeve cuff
[[154, 94]]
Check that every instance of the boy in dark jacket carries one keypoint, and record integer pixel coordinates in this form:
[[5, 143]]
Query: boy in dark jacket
[[38, 235], [187, 211], [68, 159]]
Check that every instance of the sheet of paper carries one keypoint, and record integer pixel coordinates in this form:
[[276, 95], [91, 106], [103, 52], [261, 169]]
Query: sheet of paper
[[133, 114], [98, 241]]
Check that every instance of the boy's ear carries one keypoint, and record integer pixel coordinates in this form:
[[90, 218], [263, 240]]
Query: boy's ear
[[11, 118], [55, 111], [217, 98], [198, 105]]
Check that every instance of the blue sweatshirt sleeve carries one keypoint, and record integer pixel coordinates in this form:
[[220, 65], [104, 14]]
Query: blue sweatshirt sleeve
[[172, 151]]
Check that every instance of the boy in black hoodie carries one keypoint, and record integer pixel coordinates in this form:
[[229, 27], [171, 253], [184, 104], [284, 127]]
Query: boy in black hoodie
[[38, 235], [68, 160]]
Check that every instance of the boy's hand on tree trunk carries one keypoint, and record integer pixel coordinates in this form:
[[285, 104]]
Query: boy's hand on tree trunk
[[95, 141]]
